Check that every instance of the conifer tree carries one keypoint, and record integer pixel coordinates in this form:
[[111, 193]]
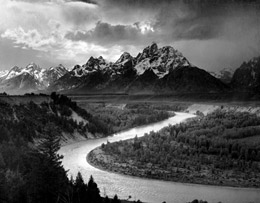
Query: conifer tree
[[80, 190], [93, 192], [47, 178]]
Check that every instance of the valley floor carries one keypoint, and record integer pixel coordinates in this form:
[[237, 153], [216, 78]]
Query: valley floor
[[233, 177], [99, 159]]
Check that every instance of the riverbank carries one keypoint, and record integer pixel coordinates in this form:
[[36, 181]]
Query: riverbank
[[147, 190], [99, 159]]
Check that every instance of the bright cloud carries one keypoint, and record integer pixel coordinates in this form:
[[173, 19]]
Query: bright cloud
[[70, 31], [54, 44]]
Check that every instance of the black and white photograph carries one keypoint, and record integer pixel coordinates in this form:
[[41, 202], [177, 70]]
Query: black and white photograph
[[129, 101]]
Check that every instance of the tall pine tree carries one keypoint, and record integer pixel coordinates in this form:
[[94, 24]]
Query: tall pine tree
[[47, 179]]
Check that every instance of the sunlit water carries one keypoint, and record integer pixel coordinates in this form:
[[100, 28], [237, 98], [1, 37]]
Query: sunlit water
[[148, 190]]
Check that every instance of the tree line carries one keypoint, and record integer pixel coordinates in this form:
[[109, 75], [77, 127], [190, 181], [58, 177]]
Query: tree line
[[30, 168], [220, 141], [132, 115]]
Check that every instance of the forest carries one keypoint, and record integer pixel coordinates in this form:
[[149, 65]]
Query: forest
[[30, 134], [31, 172], [222, 148], [122, 117]]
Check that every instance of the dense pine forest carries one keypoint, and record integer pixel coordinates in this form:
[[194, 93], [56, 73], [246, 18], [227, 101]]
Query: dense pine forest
[[222, 148], [31, 171], [30, 134], [120, 117]]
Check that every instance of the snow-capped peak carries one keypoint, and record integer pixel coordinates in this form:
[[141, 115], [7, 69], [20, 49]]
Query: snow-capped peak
[[254, 61], [3, 73], [124, 58], [92, 65], [15, 71], [160, 60], [225, 75], [60, 70], [43, 76]]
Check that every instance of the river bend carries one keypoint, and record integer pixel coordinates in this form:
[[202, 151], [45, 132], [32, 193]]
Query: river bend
[[154, 191]]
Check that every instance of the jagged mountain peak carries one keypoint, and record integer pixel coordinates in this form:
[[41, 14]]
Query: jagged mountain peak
[[15, 71], [101, 58], [225, 75], [95, 62], [76, 67], [92, 65], [60, 66], [32, 64], [3, 73], [254, 62], [152, 49], [60, 69], [92, 60], [148, 51], [32, 67], [32, 77], [161, 60], [247, 76], [16, 68], [124, 58], [154, 70]]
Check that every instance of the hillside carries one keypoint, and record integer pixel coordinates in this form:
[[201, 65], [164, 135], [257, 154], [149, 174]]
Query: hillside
[[153, 71], [247, 76], [30, 137], [221, 148], [58, 110], [31, 78]]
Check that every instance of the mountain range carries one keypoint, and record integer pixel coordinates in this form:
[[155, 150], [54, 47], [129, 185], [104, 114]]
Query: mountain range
[[153, 71], [225, 75], [29, 79]]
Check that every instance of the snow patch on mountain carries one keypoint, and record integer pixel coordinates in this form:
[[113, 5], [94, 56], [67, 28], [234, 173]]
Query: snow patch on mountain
[[3, 73], [30, 78], [92, 65], [161, 61], [225, 75]]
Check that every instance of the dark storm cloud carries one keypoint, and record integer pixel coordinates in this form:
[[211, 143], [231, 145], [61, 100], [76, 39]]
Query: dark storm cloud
[[188, 19], [211, 33], [87, 1], [172, 19], [105, 33]]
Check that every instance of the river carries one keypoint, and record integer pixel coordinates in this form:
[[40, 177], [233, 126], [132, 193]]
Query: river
[[147, 190]]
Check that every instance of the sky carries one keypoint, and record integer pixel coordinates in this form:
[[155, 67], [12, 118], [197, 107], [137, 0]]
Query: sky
[[211, 34]]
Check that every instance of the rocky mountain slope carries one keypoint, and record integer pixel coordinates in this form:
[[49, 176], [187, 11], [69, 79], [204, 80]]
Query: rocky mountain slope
[[154, 70], [225, 75], [247, 76], [3, 73], [31, 78]]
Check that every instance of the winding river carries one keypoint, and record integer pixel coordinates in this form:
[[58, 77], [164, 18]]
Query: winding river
[[147, 190]]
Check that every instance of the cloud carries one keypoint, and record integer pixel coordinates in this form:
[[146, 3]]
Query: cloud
[[106, 34], [57, 46], [178, 19], [30, 39], [73, 30], [87, 1]]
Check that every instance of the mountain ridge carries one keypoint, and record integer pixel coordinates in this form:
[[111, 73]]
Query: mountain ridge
[[247, 76], [30, 78], [144, 73], [155, 70]]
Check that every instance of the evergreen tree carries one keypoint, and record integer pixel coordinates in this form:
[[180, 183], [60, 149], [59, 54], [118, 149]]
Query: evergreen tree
[[93, 191], [107, 200], [80, 190], [47, 180], [116, 200]]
